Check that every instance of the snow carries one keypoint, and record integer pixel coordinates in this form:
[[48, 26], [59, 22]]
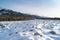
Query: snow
[[30, 30]]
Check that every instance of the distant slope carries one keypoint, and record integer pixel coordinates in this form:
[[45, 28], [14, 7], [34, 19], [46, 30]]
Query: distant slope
[[10, 15], [6, 14]]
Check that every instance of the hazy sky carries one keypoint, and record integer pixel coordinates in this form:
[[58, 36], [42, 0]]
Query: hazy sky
[[49, 8]]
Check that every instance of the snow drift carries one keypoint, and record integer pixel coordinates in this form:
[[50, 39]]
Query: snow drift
[[30, 30]]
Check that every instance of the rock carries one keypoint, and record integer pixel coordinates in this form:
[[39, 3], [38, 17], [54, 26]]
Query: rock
[[52, 32], [2, 26], [38, 34]]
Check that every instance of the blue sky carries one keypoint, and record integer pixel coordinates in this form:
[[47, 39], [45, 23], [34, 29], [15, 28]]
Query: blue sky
[[49, 8]]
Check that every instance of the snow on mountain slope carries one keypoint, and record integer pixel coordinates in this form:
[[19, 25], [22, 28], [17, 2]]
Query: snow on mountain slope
[[30, 30]]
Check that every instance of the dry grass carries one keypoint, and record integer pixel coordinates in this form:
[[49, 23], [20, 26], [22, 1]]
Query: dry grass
[[13, 18]]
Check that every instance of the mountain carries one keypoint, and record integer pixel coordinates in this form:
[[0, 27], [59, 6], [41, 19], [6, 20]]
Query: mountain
[[14, 13], [7, 14], [10, 15]]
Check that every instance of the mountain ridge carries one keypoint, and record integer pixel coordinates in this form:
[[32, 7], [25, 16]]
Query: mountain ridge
[[10, 15]]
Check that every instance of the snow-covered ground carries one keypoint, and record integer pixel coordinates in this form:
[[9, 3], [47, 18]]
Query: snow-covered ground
[[30, 30]]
